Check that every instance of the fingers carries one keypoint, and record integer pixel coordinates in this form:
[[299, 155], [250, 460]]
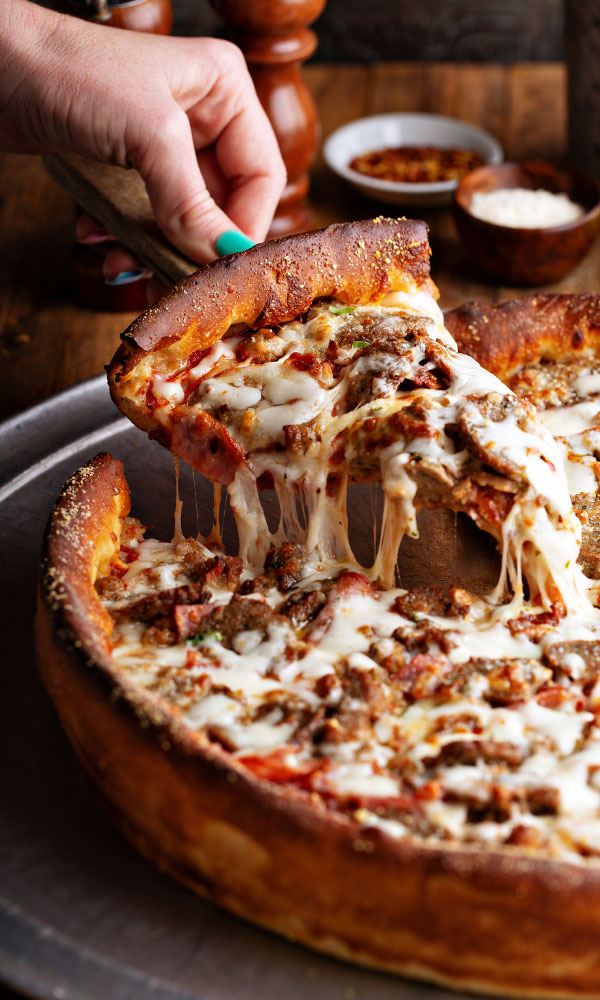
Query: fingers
[[220, 125], [183, 206], [252, 205], [212, 174], [120, 267], [89, 231], [249, 157], [204, 146], [119, 259], [232, 121]]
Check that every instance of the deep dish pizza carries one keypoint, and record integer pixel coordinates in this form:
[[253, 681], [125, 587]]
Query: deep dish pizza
[[367, 769]]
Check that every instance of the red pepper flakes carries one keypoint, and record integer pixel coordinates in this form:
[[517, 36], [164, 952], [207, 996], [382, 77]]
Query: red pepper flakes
[[417, 164]]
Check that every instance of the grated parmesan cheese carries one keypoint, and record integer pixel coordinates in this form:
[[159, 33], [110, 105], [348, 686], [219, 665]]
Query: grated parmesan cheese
[[521, 208]]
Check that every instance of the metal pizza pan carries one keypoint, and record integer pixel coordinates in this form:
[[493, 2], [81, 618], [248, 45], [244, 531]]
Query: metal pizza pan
[[82, 915]]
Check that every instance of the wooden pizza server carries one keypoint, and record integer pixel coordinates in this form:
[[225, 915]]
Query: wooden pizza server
[[118, 199]]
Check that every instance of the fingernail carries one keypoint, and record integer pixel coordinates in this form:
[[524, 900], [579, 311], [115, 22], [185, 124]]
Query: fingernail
[[232, 241], [127, 277], [96, 238]]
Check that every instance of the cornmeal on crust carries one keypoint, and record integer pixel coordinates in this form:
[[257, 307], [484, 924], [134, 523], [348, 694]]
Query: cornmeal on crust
[[425, 763]]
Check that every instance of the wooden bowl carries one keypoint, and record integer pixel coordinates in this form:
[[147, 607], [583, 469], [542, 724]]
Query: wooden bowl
[[528, 256]]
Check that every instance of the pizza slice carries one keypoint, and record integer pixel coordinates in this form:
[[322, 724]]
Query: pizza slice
[[346, 375]]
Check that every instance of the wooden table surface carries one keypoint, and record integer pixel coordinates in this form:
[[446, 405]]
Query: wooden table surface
[[48, 342]]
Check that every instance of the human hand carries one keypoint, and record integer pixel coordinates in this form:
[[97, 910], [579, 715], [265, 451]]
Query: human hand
[[119, 266], [182, 111]]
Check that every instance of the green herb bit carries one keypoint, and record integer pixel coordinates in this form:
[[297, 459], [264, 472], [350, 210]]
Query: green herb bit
[[415, 616], [357, 345], [341, 310], [195, 640]]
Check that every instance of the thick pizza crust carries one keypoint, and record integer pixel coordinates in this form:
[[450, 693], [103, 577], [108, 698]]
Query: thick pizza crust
[[505, 337], [498, 921], [271, 283]]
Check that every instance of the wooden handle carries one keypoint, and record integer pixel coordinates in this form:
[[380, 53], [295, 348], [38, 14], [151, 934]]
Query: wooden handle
[[118, 199]]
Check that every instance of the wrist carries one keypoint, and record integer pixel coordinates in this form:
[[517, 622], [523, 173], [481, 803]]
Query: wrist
[[32, 40]]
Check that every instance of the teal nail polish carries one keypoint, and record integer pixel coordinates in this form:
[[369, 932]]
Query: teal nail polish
[[232, 241], [127, 277]]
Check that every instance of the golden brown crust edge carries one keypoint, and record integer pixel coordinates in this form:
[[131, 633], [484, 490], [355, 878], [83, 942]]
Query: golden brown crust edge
[[81, 537], [270, 283], [523, 331], [493, 921]]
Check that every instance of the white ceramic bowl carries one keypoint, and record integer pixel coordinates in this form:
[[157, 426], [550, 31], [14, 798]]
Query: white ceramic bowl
[[411, 129]]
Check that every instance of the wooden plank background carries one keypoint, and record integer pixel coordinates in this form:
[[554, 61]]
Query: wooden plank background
[[523, 105], [462, 30], [393, 30]]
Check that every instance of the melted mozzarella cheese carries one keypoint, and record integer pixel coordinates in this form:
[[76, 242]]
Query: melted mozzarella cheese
[[224, 350], [167, 389], [580, 467], [539, 538], [233, 394], [587, 384], [251, 681], [420, 303], [563, 729], [577, 432], [563, 421], [359, 779]]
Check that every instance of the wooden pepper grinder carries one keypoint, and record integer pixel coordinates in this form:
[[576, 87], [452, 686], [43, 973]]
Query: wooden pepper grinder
[[153, 17], [275, 39]]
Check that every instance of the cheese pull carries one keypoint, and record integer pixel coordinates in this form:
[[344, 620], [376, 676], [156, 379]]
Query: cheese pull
[[308, 394]]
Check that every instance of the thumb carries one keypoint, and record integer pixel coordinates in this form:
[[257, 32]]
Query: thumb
[[183, 207]]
